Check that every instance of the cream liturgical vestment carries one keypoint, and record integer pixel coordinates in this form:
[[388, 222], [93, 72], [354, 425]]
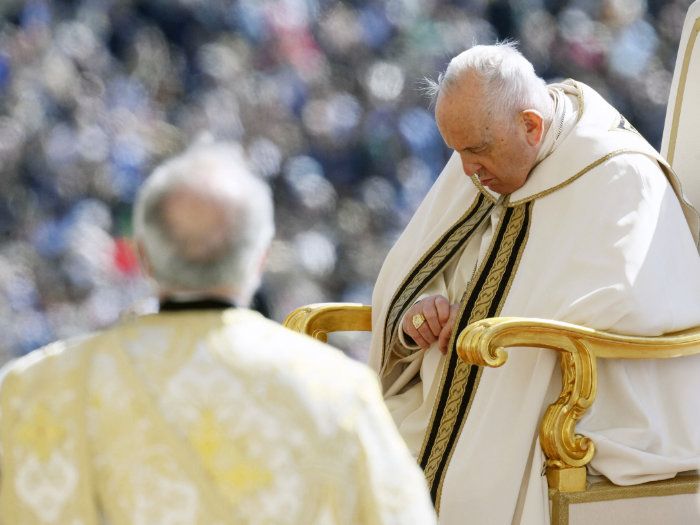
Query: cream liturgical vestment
[[597, 236], [201, 417]]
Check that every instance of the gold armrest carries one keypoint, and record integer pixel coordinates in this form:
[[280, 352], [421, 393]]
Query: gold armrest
[[318, 320], [484, 342]]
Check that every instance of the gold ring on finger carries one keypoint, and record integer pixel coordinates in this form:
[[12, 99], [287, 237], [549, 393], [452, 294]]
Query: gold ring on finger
[[417, 321]]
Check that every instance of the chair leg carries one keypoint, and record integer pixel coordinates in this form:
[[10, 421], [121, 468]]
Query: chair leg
[[560, 508]]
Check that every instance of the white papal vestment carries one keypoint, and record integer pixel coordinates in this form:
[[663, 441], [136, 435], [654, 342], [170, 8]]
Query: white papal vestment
[[201, 417], [597, 236]]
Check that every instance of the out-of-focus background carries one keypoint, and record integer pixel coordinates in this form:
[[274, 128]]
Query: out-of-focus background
[[325, 97]]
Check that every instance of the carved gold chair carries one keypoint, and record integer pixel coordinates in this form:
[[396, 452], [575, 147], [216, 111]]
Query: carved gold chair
[[485, 342], [574, 498]]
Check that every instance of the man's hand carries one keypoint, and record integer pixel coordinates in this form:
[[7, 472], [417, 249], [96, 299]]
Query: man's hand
[[439, 318]]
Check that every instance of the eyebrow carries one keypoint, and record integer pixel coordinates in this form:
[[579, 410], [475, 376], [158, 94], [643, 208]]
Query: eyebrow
[[475, 148]]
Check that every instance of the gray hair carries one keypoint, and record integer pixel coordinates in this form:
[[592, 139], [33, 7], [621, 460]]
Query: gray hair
[[509, 79], [218, 174]]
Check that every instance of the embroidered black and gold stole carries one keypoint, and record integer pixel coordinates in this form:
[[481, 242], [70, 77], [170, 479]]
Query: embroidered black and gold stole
[[427, 267], [484, 297]]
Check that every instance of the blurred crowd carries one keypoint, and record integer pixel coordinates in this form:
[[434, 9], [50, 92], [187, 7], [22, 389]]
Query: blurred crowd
[[324, 96]]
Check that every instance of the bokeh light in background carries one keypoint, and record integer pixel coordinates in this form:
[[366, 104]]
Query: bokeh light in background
[[324, 96]]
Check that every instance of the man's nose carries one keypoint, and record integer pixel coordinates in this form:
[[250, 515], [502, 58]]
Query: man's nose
[[470, 167]]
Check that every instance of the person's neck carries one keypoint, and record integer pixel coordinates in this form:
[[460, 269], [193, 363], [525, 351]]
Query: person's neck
[[217, 294]]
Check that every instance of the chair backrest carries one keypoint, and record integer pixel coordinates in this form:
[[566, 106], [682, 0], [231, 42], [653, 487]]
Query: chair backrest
[[681, 139]]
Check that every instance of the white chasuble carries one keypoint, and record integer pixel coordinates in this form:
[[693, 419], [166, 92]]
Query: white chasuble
[[599, 236], [201, 417]]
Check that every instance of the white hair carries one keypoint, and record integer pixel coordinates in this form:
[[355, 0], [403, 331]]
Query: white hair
[[508, 78], [218, 174]]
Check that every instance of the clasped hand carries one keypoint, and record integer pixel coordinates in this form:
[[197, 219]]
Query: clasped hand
[[439, 321]]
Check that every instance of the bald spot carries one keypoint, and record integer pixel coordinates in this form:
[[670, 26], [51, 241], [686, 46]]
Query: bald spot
[[197, 223]]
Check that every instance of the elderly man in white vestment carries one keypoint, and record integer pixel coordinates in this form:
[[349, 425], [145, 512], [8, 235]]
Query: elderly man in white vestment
[[551, 206], [205, 413]]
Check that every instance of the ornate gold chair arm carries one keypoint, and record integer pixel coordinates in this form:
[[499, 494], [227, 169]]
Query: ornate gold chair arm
[[484, 342], [320, 319]]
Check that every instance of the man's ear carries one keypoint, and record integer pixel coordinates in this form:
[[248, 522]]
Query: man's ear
[[534, 126], [143, 259]]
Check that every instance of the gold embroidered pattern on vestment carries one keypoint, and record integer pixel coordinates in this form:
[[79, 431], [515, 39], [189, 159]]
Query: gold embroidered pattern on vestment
[[429, 265], [483, 298]]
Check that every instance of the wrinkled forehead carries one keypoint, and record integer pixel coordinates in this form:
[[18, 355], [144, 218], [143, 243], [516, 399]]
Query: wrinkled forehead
[[462, 118]]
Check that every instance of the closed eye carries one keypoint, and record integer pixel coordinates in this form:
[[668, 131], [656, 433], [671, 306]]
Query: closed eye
[[477, 149]]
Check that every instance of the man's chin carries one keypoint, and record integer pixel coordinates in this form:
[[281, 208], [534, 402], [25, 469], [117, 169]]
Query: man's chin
[[491, 184], [496, 187]]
